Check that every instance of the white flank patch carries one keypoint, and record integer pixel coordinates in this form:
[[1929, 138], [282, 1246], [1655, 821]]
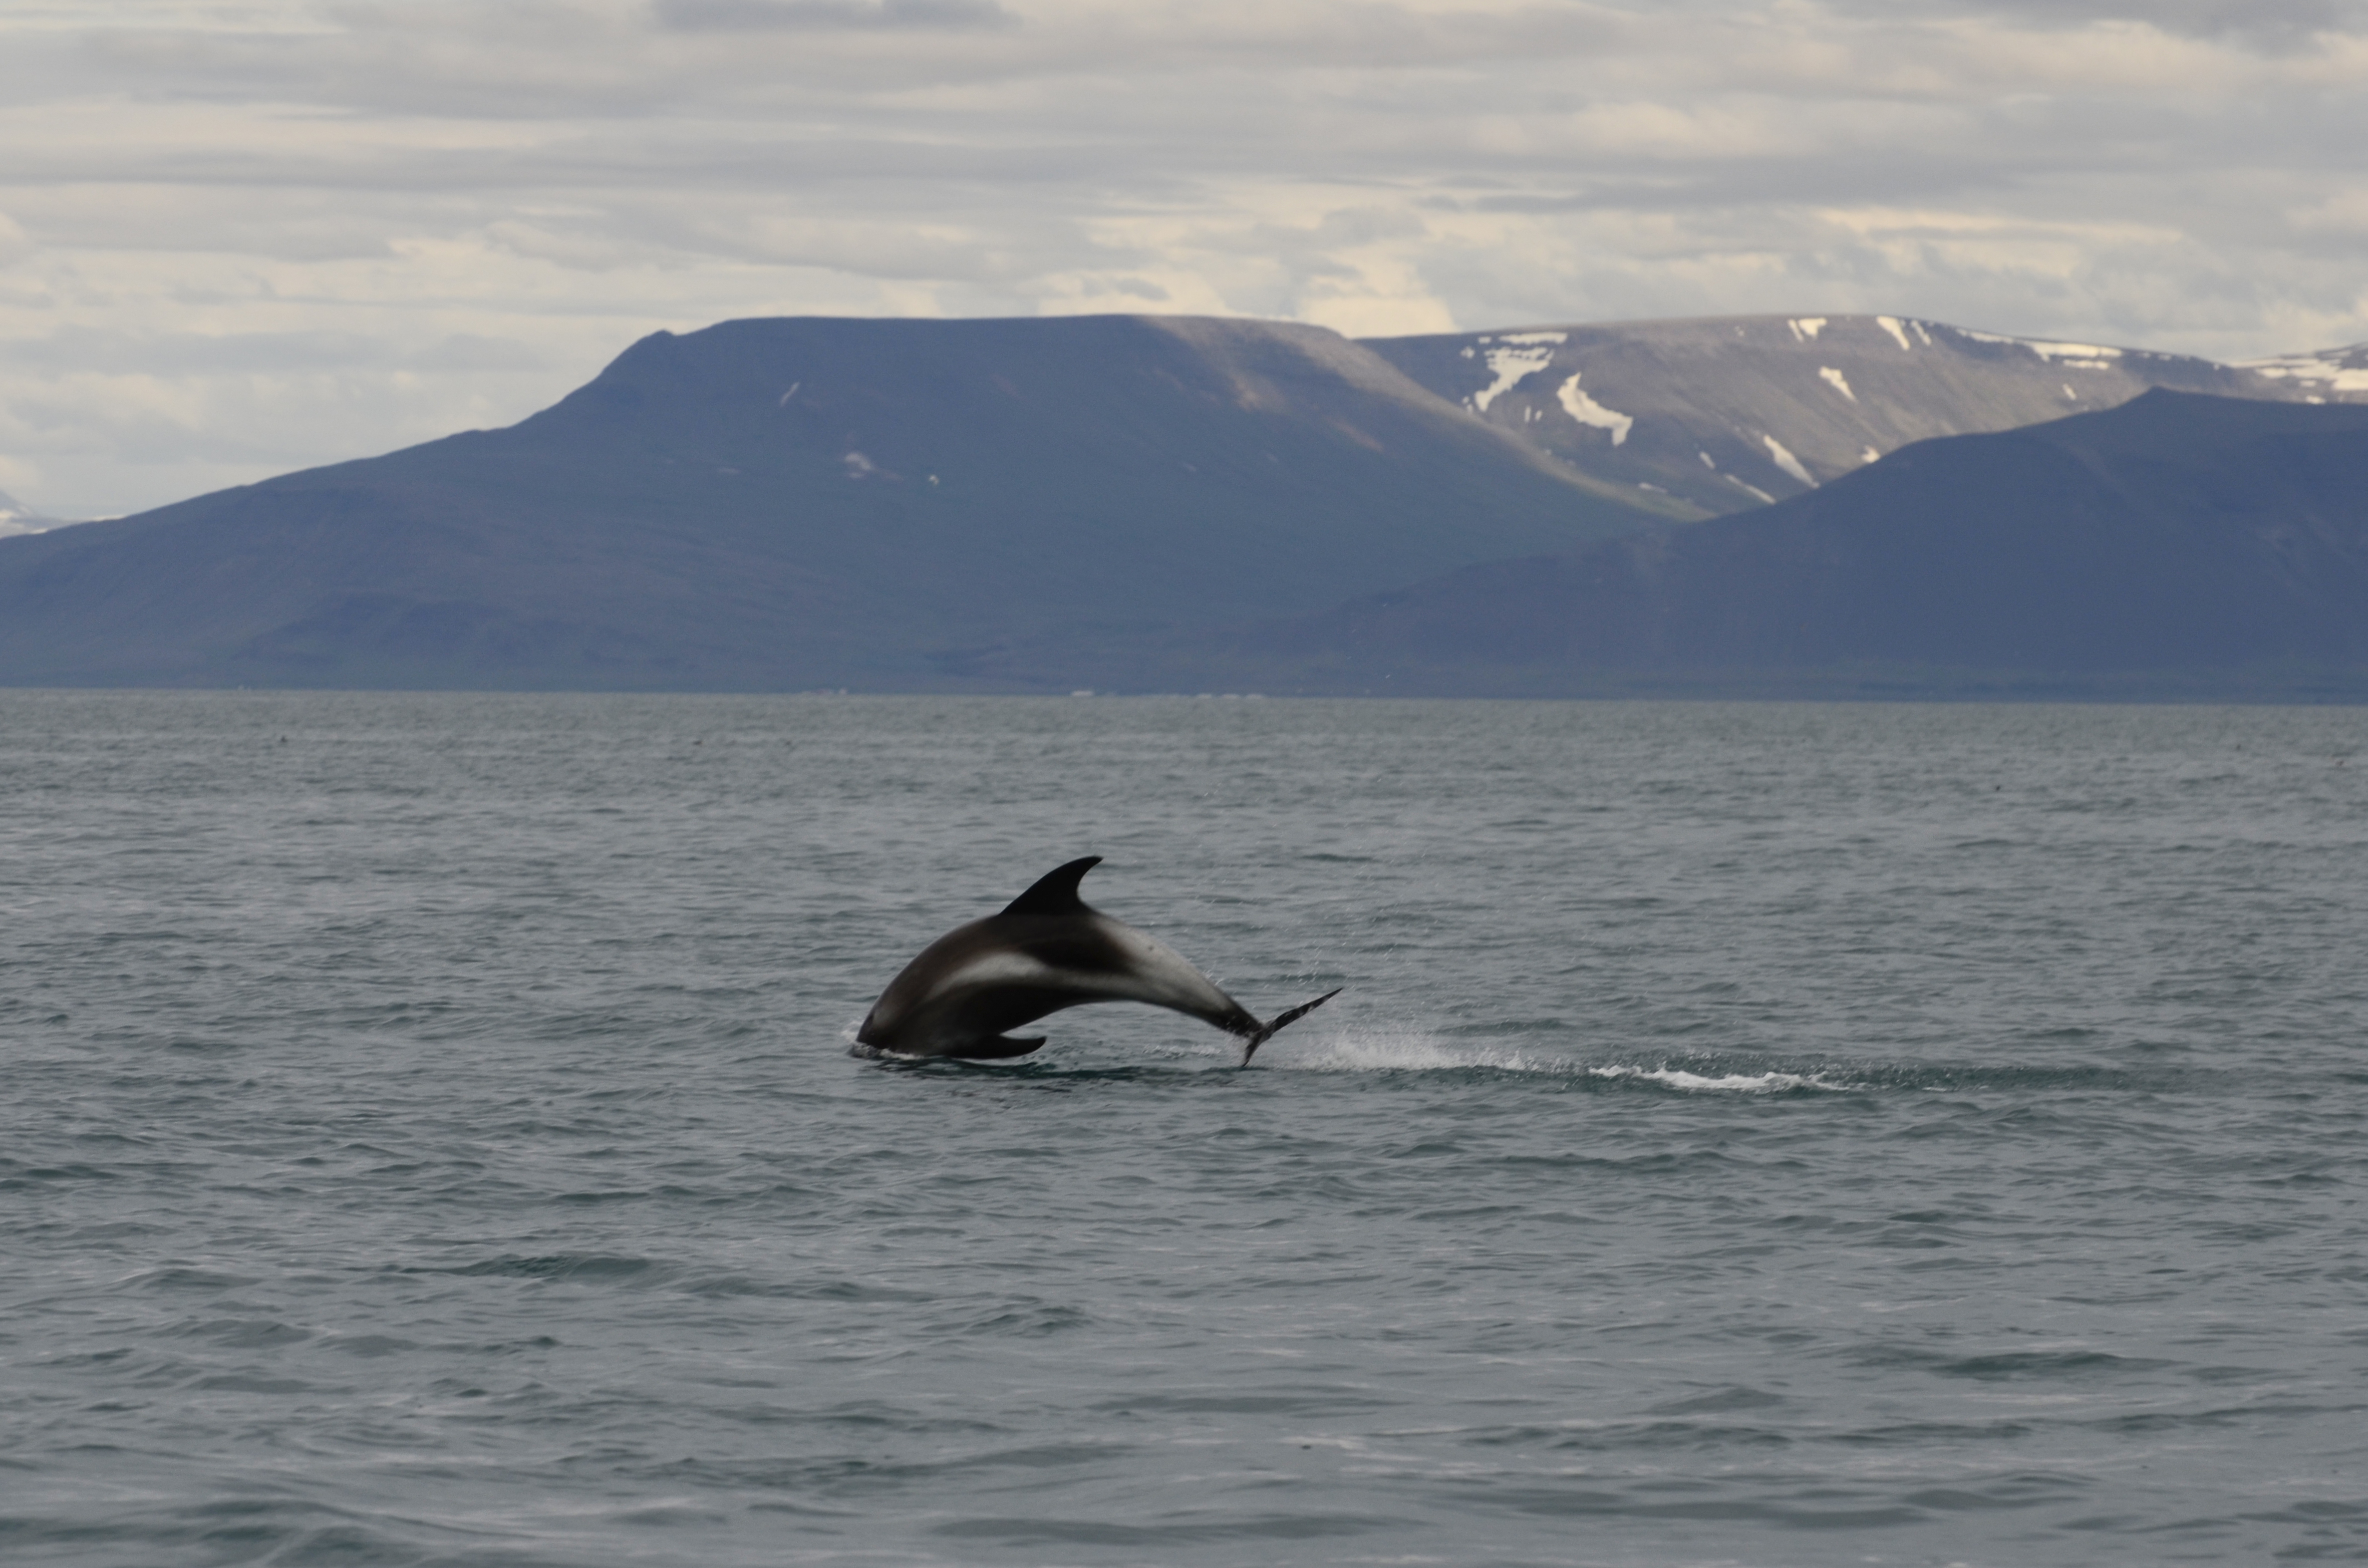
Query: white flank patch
[[1512, 365], [1891, 325], [1000, 966], [1806, 328], [1787, 461], [1586, 411], [1870, 455], [1836, 379]]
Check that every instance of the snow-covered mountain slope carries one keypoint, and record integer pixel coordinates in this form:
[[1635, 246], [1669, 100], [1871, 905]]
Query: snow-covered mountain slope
[[16, 517], [1728, 412], [2331, 375]]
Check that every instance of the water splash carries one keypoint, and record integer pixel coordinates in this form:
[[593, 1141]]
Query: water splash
[[1770, 1083], [1369, 1051]]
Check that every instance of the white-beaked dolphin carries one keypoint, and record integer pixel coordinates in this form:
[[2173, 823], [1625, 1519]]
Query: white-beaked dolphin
[[1046, 951]]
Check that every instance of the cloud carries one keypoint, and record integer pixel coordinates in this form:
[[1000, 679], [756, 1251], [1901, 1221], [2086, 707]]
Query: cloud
[[793, 16], [84, 350], [2276, 25], [246, 216]]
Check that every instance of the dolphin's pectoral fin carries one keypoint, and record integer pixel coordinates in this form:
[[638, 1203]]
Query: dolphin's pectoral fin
[[997, 1048], [1290, 1016]]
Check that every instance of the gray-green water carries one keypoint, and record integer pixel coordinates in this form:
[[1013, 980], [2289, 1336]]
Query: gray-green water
[[1780, 1134]]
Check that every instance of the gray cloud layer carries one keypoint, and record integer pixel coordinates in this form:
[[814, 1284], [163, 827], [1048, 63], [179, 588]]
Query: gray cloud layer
[[238, 237], [766, 16]]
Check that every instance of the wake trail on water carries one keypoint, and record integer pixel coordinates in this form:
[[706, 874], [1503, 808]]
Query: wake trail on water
[[1409, 1051], [1390, 1051], [1393, 1053]]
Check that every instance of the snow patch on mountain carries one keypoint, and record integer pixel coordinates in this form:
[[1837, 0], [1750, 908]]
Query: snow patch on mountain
[[2330, 368], [1586, 411], [2075, 355], [1836, 381], [1787, 463], [1890, 324], [1806, 328], [1512, 358]]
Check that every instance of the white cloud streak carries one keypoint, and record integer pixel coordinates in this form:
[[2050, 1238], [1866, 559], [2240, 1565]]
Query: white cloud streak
[[242, 235]]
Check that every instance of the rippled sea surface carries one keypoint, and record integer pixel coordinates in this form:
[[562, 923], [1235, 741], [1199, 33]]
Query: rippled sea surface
[[1761, 1134]]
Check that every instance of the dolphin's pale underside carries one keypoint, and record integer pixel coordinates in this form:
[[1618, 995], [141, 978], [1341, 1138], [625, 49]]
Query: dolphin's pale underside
[[1045, 952]]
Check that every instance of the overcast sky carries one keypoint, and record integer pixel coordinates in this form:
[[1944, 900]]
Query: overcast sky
[[238, 238]]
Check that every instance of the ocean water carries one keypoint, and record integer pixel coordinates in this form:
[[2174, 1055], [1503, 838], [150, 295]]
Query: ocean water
[[1782, 1135]]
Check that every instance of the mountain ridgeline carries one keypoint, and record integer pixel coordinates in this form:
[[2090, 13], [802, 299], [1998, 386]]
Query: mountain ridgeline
[[1177, 503], [788, 503]]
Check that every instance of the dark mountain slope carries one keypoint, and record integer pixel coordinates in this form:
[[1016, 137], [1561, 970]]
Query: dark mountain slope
[[791, 503], [2177, 533]]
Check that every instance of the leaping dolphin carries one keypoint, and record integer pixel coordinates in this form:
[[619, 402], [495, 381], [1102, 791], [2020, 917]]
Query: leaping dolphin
[[1046, 951]]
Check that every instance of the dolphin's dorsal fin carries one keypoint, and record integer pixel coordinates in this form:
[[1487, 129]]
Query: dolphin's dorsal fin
[[1055, 892]]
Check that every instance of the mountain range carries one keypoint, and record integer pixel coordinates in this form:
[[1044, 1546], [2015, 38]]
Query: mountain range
[[2180, 544], [1167, 502], [814, 502], [1734, 411]]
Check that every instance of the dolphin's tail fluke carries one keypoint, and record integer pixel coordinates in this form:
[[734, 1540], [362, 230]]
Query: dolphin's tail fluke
[[1267, 1031]]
